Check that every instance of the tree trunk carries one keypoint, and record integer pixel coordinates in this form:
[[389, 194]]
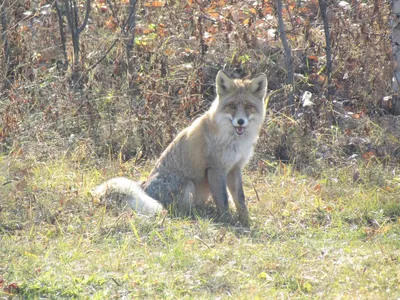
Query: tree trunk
[[62, 33], [392, 103], [322, 7], [131, 24], [288, 59], [4, 37], [71, 11], [395, 24]]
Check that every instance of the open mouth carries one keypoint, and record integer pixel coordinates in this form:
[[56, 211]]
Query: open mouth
[[239, 130]]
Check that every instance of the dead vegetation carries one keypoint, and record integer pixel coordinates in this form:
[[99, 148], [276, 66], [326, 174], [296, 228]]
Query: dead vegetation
[[133, 108]]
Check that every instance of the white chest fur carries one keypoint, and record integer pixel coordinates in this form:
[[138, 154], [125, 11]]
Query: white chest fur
[[231, 150]]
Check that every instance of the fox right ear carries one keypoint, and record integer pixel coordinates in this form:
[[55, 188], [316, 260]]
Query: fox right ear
[[224, 83], [258, 86]]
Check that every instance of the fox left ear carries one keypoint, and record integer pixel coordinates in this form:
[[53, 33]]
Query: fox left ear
[[258, 86]]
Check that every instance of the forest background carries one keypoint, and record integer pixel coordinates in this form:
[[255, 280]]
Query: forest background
[[98, 88]]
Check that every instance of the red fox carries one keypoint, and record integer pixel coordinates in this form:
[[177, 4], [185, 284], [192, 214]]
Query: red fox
[[205, 158]]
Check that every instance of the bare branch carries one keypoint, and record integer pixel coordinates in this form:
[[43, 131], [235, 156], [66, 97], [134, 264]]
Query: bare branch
[[115, 15], [103, 57], [88, 9]]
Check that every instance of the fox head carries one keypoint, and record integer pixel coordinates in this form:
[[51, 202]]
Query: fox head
[[239, 105]]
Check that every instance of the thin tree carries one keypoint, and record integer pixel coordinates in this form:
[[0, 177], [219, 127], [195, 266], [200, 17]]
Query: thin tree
[[130, 32], [62, 32], [69, 9], [395, 27], [288, 58], [323, 6], [4, 37]]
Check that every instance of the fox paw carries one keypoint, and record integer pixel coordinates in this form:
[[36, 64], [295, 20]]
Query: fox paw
[[244, 219]]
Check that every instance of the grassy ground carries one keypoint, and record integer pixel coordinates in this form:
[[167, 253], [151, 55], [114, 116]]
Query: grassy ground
[[332, 235]]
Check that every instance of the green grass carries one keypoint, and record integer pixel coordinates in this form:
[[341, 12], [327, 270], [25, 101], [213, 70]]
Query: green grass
[[322, 236]]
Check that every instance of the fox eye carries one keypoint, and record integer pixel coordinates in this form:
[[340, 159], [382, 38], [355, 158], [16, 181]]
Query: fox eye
[[249, 106], [233, 106]]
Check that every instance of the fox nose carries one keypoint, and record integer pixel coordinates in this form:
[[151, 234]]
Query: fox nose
[[240, 122]]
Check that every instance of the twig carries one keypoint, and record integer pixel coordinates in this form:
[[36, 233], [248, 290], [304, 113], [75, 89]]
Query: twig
[[116, 282], [103, 57], [120, 216], [254, 188], [114, 13], [92, 67], [301, 255], [88, 9], [203, 242], [258, 199], [161, 223]]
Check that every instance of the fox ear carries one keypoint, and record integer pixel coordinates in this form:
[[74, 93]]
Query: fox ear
[[258, 86], [224, 83]]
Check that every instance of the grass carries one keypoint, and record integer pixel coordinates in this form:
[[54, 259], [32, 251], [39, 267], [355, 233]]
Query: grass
[[324, 236]]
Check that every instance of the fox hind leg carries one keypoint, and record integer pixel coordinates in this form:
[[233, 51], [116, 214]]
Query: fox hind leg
[[186, 198], [173, 190]]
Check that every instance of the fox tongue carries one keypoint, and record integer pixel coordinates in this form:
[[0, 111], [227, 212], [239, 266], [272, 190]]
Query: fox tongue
[[239, 130]]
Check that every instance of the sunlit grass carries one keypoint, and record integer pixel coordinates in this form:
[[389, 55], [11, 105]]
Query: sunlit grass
[[326, 236]]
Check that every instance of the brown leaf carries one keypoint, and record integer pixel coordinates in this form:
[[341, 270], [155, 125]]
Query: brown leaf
[[268, 10], [111, 23], [368, 155], [313, 58], [317, 188], [12, 288], [221, 3], [147, 30], [348, 132], [157, 4], [154, 4]]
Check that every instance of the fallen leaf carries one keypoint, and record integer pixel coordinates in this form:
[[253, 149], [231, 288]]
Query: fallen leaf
[[12, 288]]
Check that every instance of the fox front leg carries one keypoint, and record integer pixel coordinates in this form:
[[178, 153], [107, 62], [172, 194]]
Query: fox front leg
[[217, 182], [235, 186]]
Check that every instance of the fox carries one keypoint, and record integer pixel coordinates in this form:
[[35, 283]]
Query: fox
[[204, 159]]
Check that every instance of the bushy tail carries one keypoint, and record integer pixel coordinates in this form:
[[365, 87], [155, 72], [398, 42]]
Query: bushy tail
[[135, 196]]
